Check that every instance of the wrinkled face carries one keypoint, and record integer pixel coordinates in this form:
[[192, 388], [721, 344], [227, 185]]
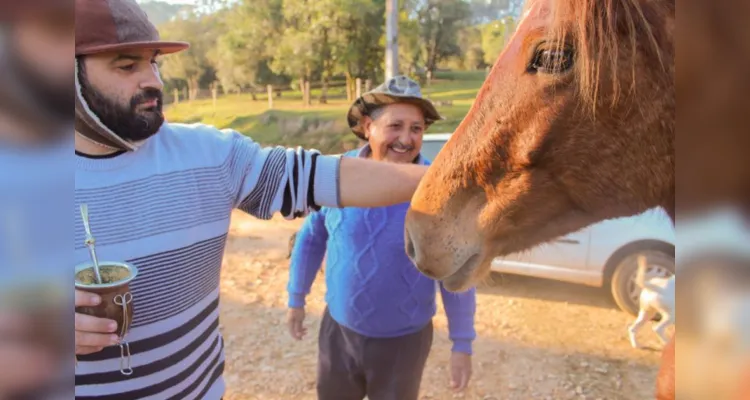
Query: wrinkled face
[[535, 158], [40, 45], [125, 91], [395, 132]]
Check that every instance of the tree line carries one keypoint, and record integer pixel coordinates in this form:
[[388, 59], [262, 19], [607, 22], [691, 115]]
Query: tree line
[[244, 45]]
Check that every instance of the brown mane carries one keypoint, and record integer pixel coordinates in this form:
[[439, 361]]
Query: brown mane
[[575, 124], [597, 33]]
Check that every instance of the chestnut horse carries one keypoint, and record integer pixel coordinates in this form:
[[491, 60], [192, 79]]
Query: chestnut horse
[[574, 124]]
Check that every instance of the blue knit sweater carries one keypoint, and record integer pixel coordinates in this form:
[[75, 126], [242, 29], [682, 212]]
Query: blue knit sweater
[[372, 286]]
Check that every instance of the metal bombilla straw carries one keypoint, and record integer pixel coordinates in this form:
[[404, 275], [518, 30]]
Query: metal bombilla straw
[[90, 242]]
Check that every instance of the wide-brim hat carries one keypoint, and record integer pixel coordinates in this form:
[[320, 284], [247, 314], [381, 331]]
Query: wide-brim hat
[[399, 89], [116, 25]]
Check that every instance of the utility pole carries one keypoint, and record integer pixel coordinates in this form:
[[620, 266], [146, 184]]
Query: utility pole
[[391, 37]]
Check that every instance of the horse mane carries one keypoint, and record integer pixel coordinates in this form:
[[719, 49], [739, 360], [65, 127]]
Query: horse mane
[[604, 33]]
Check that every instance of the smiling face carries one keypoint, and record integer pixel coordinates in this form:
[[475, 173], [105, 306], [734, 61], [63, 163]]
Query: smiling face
[[395, 132], [125, 91], [574, 124]]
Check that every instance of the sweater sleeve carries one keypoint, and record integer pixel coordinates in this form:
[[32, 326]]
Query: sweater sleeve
[[266, 180], [307, 257], [460, 309]]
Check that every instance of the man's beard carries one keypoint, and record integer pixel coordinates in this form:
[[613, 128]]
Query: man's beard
[[127, 122]]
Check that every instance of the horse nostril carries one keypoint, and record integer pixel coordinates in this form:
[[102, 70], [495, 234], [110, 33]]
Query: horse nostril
[[410, 250]]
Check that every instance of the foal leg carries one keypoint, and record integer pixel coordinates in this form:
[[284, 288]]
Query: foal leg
[[643, 317]]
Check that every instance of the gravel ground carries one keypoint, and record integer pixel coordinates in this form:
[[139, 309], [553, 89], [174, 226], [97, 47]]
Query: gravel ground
[[537, 339]]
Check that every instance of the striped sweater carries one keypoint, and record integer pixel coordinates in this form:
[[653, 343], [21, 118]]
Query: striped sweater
[[166, 209]]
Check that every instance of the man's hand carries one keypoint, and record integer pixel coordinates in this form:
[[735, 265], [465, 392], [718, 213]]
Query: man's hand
[[295, 318], [92, 333], [460, 370]]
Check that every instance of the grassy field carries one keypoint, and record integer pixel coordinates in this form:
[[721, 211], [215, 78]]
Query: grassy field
[[320, 126]]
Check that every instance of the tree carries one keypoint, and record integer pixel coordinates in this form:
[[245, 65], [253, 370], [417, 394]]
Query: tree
[[440, 21], [242, 55], [409, 44], [470, 43], [494, 37], [193, 65]]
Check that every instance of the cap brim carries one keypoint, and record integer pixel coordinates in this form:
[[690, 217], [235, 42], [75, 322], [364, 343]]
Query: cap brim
[[162, 47], [355, 114]]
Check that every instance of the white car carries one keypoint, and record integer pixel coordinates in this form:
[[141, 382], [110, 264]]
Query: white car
[[600, 255]]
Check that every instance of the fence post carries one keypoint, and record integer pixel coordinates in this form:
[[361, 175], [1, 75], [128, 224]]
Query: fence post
[[358, 87], [214, 94], [269, 89], [176, 96]]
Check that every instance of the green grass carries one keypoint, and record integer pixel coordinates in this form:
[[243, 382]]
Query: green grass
[[320, 126]]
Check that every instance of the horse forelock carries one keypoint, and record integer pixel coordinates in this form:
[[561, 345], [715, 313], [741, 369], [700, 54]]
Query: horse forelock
[[606, 33]]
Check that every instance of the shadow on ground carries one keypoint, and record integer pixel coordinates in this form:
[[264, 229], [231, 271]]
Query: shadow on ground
[[547, 290], [263, 362]]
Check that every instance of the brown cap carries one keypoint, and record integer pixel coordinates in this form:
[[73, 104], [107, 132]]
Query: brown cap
[[115, 25]]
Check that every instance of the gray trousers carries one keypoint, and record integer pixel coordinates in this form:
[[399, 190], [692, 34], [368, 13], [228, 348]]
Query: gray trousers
[[352, 366]]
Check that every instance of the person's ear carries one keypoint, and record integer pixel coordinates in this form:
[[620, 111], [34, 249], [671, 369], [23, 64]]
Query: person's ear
[[366, 126]]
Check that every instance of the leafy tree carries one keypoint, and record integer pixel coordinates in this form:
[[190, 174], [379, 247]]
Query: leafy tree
[[192, 66], [242, 53], [494, 37], [440, 22]]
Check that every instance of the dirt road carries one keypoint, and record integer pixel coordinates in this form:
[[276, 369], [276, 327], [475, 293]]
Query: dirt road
[[537, 339]]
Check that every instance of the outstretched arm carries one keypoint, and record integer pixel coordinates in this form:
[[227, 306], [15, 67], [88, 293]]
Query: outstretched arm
[[367, 183], [266, 180]]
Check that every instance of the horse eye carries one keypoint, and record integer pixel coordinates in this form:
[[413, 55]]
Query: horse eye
[[552, 61]]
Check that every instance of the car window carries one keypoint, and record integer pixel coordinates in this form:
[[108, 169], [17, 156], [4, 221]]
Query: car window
[[431, 148]]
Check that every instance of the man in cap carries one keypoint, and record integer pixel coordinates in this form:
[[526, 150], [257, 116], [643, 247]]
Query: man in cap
[[160, 196], [36, 94], [377, 330]]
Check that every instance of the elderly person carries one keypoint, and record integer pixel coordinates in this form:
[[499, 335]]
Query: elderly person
[[377, 330]]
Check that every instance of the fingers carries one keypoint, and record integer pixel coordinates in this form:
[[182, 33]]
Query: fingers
[[89, 323], [460, 380], [455, 378], [95, 340], [92, 333], [296, 329], [295, 320], [464, 379], [85, 299], [460, 376]]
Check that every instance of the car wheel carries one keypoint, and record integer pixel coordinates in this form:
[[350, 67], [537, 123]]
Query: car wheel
[[624, 290]]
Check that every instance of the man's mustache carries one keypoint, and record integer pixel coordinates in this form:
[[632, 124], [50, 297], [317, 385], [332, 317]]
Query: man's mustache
[[147, 95]]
